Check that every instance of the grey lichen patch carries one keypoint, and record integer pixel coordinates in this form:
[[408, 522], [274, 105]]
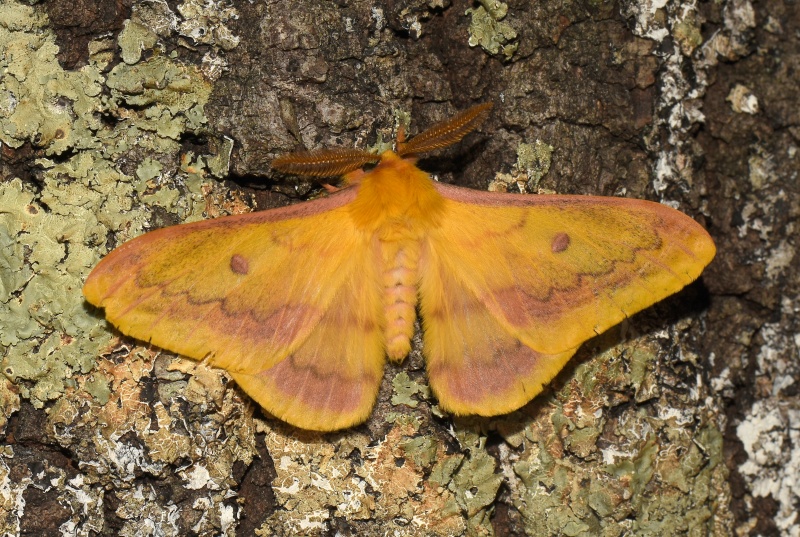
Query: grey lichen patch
[[217, 432], [83, 505], [678, 110], [411, 16], [742, 100], [770, 434], [648, 17], [84, 502], [488, 30], [642, 470], [315, 479], [208, 26], [319, 477], [142, 503]]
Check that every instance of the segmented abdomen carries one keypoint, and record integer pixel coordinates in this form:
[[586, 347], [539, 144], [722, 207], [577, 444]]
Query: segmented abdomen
[[400, 296]]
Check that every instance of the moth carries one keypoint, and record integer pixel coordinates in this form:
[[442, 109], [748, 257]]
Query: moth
[[302, 305]]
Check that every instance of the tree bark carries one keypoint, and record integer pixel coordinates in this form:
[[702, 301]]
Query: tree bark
[[118, 118]]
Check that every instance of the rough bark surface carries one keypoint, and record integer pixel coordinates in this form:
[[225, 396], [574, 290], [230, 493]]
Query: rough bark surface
[[120, 117]]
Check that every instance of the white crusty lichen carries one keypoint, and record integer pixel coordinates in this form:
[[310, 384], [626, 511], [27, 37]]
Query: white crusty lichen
[[679, 105], [770, 434], [742, 100], [408, 477]]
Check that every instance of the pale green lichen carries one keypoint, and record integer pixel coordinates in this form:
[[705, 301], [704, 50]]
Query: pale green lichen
[[148, 169], [41, 103], [54, 231], [643, 361], [172, 95], [476, 482], [9, 403], [133, 40], [653, 478], [497, 9], [98, 387], [44, 320], [219, 163], [533, 163], [534, 160], [687, 31], [487, 29], [421, 449], [406, 389]]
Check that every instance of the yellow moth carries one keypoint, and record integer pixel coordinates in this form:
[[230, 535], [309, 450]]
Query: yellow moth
[[303, 304]]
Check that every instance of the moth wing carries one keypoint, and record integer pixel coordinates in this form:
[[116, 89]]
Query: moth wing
[[475, 364], [331, 381], [286, 300], [536, 276]]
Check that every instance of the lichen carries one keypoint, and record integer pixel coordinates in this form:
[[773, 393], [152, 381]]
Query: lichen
[[488, 30], [534, 160], [217, 432], [405, 389], [44, 320], [133, 40], [320, 477], [314, 480], [476, 482], [583, 458], [742, 100], [54, 231], [533, 163], [568, 485], [770, 434], [208, 26], [688, 31], [50, 238], [9, 402], [41, 103]]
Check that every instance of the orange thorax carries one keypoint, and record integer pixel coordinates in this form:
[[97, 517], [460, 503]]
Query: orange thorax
[[396, 206]]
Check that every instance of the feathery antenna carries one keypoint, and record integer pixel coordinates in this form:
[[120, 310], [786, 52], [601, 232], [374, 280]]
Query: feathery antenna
[[446, 132], [341, 161], [325, 162]]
